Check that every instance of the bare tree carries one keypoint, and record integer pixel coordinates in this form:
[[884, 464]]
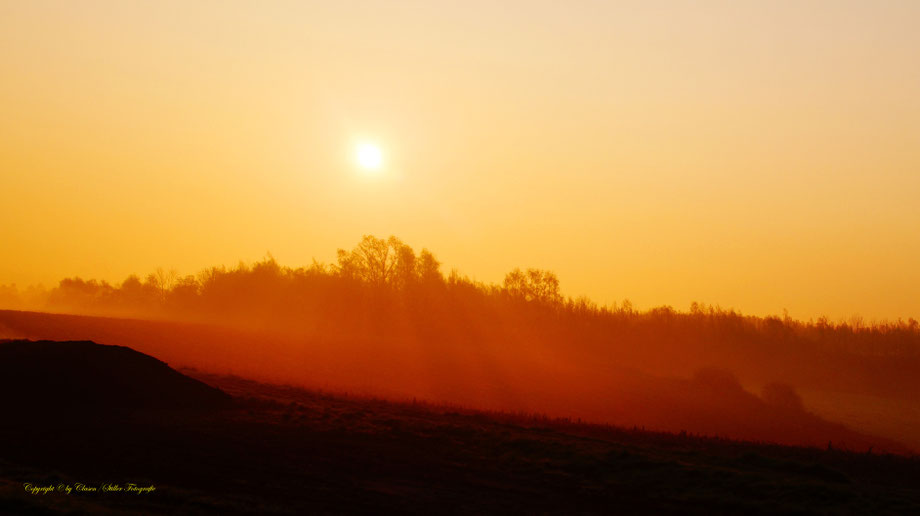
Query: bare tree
[[533, 285]]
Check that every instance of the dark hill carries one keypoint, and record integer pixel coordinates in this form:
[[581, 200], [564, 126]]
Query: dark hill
[[48, 377]]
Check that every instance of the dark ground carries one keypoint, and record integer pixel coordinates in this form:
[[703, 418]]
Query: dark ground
[[280, 450]]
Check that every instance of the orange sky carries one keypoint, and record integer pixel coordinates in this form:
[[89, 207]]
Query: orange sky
[[756, 155]]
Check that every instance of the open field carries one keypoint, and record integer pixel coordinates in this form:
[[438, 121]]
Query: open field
[[897, 418], [283, 450]]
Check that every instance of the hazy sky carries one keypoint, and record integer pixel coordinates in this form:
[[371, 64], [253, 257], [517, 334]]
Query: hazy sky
[[756, 155]]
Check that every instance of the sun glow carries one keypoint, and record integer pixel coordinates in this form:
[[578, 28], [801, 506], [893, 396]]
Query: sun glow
[[369, 157]]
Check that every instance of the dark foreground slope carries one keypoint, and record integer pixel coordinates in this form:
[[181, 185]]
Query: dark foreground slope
[[47, 378], [280, 450]]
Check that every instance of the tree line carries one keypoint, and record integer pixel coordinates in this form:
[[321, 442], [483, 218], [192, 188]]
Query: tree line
[[384, 285]]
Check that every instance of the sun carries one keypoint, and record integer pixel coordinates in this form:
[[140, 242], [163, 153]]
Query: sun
[[369, 156]]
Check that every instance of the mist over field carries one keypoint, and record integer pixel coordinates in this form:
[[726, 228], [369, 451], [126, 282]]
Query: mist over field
[[385, 321]]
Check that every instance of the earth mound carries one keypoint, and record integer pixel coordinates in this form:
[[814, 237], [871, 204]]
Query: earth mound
[[49, 377]]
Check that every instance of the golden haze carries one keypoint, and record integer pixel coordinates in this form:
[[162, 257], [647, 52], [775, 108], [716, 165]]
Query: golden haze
[[754, 155]]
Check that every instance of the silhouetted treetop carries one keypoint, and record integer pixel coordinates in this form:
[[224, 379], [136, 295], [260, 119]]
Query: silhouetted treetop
[[389, 262], [533, 285]]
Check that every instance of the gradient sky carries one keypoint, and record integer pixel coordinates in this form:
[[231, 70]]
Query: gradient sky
[[755, 155]]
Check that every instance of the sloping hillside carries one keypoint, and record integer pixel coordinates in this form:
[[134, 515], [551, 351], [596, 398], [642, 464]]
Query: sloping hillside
[[286, 451]]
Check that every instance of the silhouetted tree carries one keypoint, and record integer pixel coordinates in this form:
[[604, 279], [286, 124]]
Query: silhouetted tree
[[428, 268], [380, 262], [533, 285]]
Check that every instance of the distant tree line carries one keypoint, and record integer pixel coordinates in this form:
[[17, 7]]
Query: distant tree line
[[382, 288]]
